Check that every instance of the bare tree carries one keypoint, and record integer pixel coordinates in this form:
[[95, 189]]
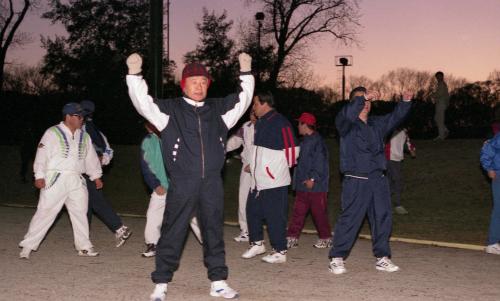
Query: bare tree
[[27, 80], [494, 75], [10, 19], [293, 23]]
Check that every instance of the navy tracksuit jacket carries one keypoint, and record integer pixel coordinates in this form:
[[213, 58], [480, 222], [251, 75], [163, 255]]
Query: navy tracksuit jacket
[[365, 190]]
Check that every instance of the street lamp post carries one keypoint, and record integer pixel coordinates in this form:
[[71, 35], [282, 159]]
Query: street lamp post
[[343, 60], [156, 47], [259, 17]]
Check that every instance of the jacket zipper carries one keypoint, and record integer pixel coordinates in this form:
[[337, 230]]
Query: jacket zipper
[[201, 144]]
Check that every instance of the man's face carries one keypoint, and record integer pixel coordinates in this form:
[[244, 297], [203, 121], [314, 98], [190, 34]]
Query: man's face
[[253, 118], [73, 121], [196, 87], [257, 107], [302, 128]]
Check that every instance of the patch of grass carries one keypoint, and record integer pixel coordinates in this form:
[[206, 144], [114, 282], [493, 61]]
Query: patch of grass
[[445, 192]]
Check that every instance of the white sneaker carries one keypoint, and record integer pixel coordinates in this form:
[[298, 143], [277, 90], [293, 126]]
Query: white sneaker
[[493, 249], [160, 292], [150, 251], [25, 253], [242, 237], [221, 289], [256, 248], [400, 210], [323, 243], [386, 265], [88, 253], [337, 266], [122, 234], [292, 242], [275, 257]]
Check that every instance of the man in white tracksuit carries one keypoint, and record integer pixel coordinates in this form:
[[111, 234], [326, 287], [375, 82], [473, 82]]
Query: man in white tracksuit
[[63, 155], [244, 136]]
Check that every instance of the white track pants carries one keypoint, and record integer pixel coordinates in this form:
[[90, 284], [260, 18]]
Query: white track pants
[[69, 190], [245, 183], [154, 219]]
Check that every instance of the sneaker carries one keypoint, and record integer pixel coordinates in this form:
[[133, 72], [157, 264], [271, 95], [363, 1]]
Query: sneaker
[[221, 289], [242, 237], [88, 253], [160, 292], [491, 249], [122, 235], [25, 253], [386, 265], [337, 266], [323, 243], [256, 248], [275, 257], [400, 210], [150, 251], [292, 242]]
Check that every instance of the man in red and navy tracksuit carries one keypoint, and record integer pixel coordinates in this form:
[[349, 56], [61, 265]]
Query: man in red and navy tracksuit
[[365, 189], [193, 134], [275, 150]]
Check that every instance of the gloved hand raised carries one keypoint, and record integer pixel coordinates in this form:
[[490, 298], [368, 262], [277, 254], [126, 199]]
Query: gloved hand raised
[[134, 63], [245, 62]]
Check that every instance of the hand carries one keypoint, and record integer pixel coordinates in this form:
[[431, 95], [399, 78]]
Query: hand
[[134, 63], [407, 95], [160, 190], [98, 183], [40, 183], [245, 62], [308, 183], [413, 153], [247, 168], [492, 174], [372, 95]]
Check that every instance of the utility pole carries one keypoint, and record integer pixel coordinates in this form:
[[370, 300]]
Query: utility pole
[[156, 48], [259, 17], [344, 60]]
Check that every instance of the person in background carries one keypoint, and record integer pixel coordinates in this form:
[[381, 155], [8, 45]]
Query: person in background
[[394, 153], [244, 136], [310, 182]]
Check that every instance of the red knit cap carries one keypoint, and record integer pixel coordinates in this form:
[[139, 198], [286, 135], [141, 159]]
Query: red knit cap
[[307, 118], [194, 69]]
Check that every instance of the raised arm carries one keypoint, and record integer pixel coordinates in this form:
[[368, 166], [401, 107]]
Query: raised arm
[[392, 120], [235, 105], [138, 92], [349, 114]]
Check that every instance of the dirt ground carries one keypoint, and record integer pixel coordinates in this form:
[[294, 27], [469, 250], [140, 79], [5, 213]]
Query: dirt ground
[[55, 272]]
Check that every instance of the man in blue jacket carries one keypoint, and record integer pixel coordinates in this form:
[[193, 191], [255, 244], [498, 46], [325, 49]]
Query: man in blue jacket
[[193, 133], [310, 182], [365, 189]]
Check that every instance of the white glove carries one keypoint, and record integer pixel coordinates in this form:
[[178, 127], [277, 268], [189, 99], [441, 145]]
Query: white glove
[[134, 63], [245, 62]]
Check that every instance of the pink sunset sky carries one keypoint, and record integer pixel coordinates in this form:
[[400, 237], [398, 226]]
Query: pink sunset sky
[[461, 37]]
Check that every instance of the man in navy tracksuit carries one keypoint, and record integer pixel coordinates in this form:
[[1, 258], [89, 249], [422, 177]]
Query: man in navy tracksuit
[[365, 189], [193, 133], [97, 201], [275, 151]]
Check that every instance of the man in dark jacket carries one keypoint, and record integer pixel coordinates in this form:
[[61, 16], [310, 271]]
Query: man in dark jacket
[[97, 201], [365, 189], [310, 182], [193, 133]]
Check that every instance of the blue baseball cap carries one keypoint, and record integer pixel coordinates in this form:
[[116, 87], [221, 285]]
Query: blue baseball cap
[[72, 108]]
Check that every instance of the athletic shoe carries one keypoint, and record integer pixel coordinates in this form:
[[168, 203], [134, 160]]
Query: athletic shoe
[[150, 250], [292, 242], [493, 249], [122, 234], [400, 210], [88, 253], [160, 292], [242, 237], [275, 257], [323, 243], [256, 248], [386, 265], [337, 266], [25, 253], [221, 289]]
